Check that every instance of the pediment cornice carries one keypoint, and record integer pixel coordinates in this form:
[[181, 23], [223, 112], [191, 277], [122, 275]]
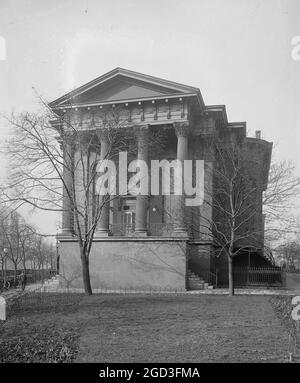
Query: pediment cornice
[[122, 85]]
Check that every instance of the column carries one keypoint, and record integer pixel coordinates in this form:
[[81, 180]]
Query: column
[[181, 131], [103, 223], [67, 220], [142, 200], [205, 210]]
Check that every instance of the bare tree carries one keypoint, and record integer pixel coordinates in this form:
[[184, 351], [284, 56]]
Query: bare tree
[[27, 235], [290, 254], [54, 162], [17, 237], [242, 207], [235, 203], [232, 211], [279, 201], [3, 259], [12, 232]]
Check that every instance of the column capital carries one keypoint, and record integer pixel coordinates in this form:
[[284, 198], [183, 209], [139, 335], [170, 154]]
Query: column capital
[[181, 128]]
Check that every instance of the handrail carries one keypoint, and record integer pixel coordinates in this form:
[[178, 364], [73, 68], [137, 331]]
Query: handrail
[[212, 278], [155, 229], [267, 254]]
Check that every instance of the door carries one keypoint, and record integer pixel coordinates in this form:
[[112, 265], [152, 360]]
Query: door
[[128, 222]]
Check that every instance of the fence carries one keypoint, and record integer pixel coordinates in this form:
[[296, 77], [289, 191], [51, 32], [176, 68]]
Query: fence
[[254, 276], [212, 278], [155, 229], [32, 276]]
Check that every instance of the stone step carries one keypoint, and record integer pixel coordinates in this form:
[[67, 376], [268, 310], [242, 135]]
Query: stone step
[[196, 285], [196, 280], [195, 288], [194, 276]]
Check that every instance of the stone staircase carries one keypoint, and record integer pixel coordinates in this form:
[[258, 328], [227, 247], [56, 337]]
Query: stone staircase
[[194, 282]]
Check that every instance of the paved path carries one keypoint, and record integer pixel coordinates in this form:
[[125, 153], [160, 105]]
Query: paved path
[[293, 281], [50, 285]]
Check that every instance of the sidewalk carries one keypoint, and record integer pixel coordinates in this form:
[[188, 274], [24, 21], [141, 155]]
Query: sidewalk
[[247, 292], [52, 285]]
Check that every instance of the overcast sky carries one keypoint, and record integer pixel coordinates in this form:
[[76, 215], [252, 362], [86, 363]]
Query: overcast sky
[[238, 52]]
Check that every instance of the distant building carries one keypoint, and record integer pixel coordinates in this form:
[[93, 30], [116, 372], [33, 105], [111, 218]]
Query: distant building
[[139, 245]]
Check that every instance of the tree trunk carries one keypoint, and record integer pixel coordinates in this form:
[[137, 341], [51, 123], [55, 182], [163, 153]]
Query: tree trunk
[[5, 269], [43, 276], [86, 274], [230, 277], [24, 262], [16, 273]]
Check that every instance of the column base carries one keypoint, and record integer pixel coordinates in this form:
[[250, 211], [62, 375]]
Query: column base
[[180, 232], [102, 234], [65, 233], [143, 233]]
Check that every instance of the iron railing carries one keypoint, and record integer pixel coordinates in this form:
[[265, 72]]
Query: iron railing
[[273, 276], [154, 229], [212, 278], [161, 229], [254, 276], [32, 276], [267, 254], [122, 230]]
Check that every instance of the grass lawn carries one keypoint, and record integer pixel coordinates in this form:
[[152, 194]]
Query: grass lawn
[[41, 328], [136, 328]]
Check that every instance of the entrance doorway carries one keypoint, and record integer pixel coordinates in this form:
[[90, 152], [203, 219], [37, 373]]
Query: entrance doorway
[[128, 216]]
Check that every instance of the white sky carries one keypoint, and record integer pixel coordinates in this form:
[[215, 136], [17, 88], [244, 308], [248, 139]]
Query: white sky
[[238, 52]]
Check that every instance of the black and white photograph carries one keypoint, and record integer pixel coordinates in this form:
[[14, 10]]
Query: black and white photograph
[[149, 186]]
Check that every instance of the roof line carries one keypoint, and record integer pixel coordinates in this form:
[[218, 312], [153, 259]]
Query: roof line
[[128, 73], [170, 96], [218, 108]]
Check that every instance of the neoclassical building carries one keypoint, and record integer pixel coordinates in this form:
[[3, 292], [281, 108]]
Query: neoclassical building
[[152, 242]]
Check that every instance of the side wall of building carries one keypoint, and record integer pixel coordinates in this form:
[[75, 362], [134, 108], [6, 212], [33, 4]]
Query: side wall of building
[[127, 265]]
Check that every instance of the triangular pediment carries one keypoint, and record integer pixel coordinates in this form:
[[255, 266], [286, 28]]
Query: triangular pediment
[[121, 89], [122, 85]]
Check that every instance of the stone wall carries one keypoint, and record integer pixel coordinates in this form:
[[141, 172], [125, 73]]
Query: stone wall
[[127, 264]]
